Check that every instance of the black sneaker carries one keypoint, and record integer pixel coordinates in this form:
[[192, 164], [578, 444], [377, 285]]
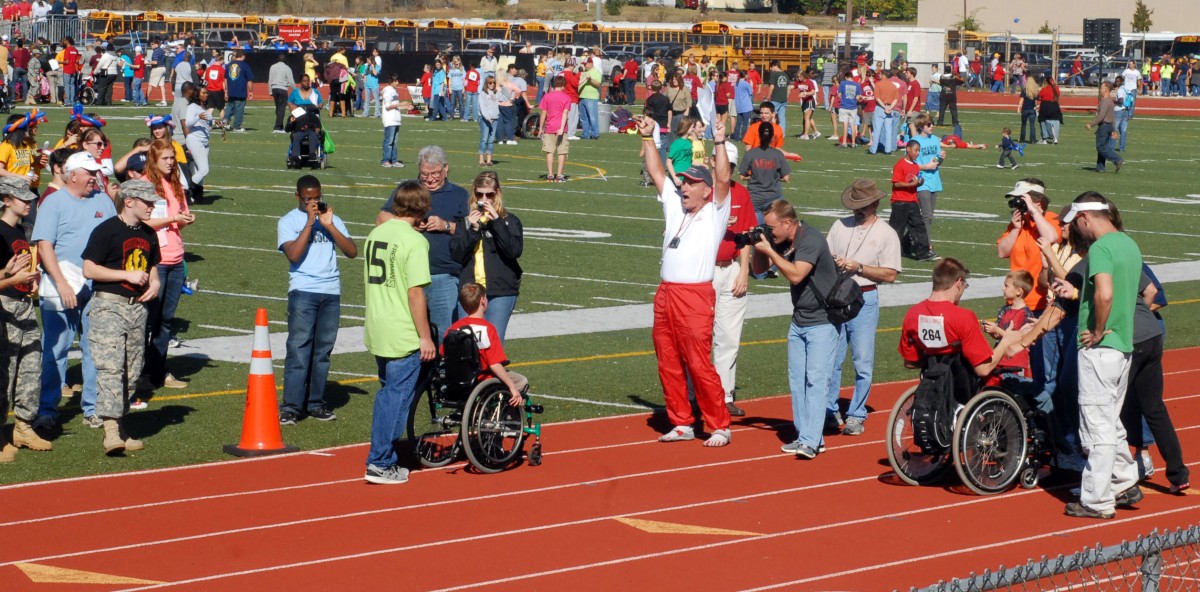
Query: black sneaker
[[288, 417], [1129, 497], [1078, 510], [322, 414]]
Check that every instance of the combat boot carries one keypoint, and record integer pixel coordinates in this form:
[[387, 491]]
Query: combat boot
[[25, 437], [131, 445], [113, 444]]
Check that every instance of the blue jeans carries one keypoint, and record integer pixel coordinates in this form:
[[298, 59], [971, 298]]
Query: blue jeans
[[743, 123], [827, 95], [1029, 118], [162, 315], [389, 143], [859, 333], [1066, 388], [810, 365], [471, 108], [589, 113], [69, 82], [59, 328], [1104, 146], [883, 131], [487, 135], [541, 87], [997, 86], [1076, 80], [456, 102], [138, 97], [312, 328], [441, 296], [371, 101], [235, 112], [1122, 118], [436, 108], [389, 420], [498, 312], [781, 116], [506, 123]]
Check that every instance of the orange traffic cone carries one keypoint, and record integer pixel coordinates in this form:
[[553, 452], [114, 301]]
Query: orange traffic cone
[[260, 423]]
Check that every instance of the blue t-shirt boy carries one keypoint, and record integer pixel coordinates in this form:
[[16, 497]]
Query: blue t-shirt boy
[[317, 272], [849, 90], [930, 148]]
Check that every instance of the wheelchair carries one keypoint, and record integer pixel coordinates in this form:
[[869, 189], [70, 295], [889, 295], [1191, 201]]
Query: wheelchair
[[310, 156], [995, 438], [454, 412]]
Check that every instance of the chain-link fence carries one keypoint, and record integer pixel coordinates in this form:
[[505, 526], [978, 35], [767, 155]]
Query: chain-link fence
[[1157, 562]]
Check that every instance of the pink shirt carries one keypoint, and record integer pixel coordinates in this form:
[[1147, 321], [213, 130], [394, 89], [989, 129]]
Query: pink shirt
[[553, 104], [169, 241]]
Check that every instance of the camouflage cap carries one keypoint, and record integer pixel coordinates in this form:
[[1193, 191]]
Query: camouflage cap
[[139, 189], [16, 187]]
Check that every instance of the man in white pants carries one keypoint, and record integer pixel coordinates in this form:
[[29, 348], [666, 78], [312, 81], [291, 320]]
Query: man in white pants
[[1106, 309], [731, 278]]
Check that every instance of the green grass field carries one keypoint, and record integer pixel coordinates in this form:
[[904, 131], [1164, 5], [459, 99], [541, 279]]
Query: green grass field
[[590, 243]]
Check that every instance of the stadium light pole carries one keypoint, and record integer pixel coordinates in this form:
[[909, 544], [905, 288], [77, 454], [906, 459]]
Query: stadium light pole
[[849, 29]]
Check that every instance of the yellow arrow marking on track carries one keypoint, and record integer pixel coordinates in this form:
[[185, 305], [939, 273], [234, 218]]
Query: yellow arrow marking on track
[[45, 574], [654, 527]]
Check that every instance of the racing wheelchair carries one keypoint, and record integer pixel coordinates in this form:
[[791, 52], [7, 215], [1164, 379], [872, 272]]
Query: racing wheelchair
[[993, 436], [454, 412]]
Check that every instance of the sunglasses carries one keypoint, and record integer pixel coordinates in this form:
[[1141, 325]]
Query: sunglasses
[[485, 194]]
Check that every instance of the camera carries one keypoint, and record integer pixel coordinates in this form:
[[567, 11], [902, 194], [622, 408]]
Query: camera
[[752, 236], [322, 207], [1016, 203], [479, 205]]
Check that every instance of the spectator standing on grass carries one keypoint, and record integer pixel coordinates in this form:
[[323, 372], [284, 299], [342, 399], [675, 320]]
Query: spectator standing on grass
[[170, 216], [848, 91], [1123, 104], [280, 80], [905, 217], [930, 163], [448, 207], [489, 243], [65, 220], [488, 110], [310, 237], [780, 84], [121, 259], [888, 104], [158, 71], [471, 94], [397, 330], [764, 168], [809, 267], [238, 77], [552, 127], [868, 249], [392, 116], [22, 348], [950, 83], [1106, 319], [743, 103], [1049, 111], [1104, 123], [1027, 110], [696, 218], [197, 128]]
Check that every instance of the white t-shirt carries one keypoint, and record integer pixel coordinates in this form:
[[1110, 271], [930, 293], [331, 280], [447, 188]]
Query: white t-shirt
[[388, 97], [876, 245], [963, 64], [693, 260], [1131, 77]]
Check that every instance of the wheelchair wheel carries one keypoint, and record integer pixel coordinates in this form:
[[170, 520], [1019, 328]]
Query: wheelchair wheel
[[530, 126], [434, 439], [87, 96], [908, 460], [990, 442], [492, 430]]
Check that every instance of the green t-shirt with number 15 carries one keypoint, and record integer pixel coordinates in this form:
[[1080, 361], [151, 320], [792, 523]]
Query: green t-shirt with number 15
[[397, 258]]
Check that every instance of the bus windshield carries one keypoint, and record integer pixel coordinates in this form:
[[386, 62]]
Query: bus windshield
[[1185, 46]]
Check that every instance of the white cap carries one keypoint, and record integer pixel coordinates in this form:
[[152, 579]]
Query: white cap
[[730, 150], [1084, 206], [1023, 188], [81, 160], [137, 49]]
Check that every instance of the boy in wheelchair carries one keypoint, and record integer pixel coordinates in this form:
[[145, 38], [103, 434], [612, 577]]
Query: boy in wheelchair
[[306, 137], [473, 300]]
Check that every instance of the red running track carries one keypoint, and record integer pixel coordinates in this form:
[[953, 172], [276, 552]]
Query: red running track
[[308, 521]]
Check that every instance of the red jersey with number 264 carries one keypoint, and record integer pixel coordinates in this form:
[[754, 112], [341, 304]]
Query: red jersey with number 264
[[940, 328]]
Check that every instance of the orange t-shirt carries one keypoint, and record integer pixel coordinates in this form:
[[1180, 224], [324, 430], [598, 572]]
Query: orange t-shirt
[[751, 137], [1027, 255]]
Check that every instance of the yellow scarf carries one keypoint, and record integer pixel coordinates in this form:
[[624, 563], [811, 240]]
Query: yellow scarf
[[480, 275]]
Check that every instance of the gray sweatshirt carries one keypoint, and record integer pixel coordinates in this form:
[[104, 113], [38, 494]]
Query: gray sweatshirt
[[280, 77]]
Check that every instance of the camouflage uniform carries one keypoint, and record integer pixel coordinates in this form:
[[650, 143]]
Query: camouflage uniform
[[118, 340], [22, 374]]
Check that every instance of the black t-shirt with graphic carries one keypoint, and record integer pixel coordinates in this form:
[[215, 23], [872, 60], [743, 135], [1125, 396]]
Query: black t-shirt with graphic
[[116, 245], [12, 243]]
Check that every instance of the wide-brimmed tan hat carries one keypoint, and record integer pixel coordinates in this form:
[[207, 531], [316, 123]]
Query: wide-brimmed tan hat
[[861, 194]]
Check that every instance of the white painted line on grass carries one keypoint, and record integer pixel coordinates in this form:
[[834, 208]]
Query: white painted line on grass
[[555, 303], [622, 300], [583, 279], [230, 329]]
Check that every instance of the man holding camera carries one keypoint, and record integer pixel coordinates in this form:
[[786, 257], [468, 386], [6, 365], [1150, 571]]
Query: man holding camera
[[870, 250], [310, 236], [697, 216], [801, 255]]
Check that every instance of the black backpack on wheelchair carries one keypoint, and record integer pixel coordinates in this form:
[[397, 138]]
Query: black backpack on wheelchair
[[460, 363], [935, 403]]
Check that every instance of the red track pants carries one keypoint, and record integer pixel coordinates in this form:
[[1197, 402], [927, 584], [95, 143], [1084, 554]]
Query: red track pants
[[683, 334]]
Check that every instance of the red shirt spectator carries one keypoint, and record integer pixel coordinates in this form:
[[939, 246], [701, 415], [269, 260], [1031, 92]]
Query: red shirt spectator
[[724, 94], [70, 64], [9, 13], [214, 78], [24, 9], [427, 85], [572, 87], [693, 82], [741, 219], [914, 95], [976, 66], [904, 172], [754, 78], [139, 66], [472, 83], [631, 68], [867, 100], [20, 57], [998, 73]]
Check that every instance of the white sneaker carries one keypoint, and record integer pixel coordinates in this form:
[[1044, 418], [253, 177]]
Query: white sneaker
[[678, 434], [816, 135], [573, 138], [162, 103]]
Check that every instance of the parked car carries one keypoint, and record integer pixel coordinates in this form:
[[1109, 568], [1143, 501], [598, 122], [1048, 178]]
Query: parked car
[[222, 38]]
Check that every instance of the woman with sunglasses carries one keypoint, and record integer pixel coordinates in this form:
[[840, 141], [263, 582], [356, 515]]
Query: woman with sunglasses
[[95, 143], [489, 115], [488, 245]]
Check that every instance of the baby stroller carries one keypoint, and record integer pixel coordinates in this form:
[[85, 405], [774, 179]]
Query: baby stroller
[[6, 100], [307, 140]]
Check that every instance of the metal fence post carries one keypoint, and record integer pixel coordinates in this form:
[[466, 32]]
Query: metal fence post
[[1151, 570]]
